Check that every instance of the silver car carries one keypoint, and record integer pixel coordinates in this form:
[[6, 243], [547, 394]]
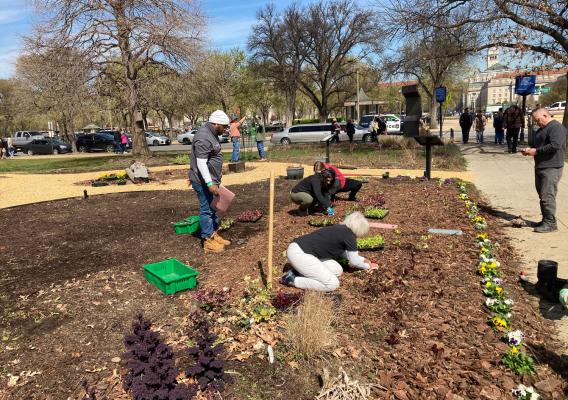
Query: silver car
[[156, 139], [312, 133], [186, 137]]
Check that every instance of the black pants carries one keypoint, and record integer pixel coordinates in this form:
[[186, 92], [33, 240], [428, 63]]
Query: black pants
[[350, 135], [512, 139], [335, 137], [352, 186], [465, 134]]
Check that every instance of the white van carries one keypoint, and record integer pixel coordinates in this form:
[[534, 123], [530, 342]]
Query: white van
[[558, 106]]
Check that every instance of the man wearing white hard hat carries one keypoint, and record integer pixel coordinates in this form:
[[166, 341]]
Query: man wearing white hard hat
[[205, 175]]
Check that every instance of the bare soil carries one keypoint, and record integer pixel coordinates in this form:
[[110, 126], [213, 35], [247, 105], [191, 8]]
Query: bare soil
[[72, 281]]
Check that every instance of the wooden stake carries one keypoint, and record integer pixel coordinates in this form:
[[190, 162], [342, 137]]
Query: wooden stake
[[270, 229]]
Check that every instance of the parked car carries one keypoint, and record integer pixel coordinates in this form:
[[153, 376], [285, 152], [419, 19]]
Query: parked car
[[22, 138], [112, 133], [95, 142], [186, 137], [46, 146], [394, 123], [558, 106], [156, 139], [313, 133]]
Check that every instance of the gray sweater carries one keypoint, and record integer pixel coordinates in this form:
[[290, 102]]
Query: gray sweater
[[550, 143]]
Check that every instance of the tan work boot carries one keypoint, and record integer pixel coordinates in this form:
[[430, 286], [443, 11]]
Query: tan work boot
[[213, 246], [219, 239]]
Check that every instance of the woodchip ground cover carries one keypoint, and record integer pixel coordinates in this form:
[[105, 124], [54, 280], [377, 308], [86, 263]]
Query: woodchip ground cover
[[416, 328]]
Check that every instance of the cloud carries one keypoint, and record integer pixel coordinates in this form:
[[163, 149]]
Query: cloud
[[8, 16], [231, 34]]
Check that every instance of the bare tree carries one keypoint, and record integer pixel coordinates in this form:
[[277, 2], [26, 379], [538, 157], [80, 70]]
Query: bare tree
[[536, 26], [56, 83], [278, 42], [125, 34], [338, 34], [432, 57], [313, 49]]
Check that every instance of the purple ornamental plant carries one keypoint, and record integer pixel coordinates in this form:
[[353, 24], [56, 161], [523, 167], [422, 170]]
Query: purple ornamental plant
[[209, 368], [151, 366]]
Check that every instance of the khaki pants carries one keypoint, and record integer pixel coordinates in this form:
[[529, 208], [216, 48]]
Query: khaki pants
[[303, 199]]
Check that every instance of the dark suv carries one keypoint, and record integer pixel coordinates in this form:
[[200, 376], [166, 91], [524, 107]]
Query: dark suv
[[95, 141]]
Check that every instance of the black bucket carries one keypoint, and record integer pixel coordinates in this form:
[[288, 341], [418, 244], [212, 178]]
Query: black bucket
[[547, 280]]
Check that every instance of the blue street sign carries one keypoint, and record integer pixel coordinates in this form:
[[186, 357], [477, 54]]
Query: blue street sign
[[525, 85], [440, 94]]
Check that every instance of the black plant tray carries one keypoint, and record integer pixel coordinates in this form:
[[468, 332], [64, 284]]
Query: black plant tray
[[378, 248]]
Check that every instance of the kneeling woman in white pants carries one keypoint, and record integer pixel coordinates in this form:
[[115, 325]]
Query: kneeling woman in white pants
[[313, 255]]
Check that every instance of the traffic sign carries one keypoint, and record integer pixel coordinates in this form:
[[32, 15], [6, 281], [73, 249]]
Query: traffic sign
[[525, 85], [440, 94]]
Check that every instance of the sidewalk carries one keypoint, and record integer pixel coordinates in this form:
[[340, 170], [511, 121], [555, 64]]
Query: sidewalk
[[507, 181]]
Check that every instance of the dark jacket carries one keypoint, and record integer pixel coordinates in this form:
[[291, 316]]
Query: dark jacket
[[466, 120], [350, 128], [498, 122], [313, 185], [550, 143]]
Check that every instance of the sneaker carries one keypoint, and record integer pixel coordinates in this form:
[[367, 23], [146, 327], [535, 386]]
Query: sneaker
[[545, 228], [219, 239], [210, 245], [288, 278], [262, 159]]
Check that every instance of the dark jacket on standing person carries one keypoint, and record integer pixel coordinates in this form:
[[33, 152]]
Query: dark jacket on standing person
[[116, 135], [205, 145], [350, 128], [466, 120], [550, 144], [514, 118], [498, 122], [314, 186]]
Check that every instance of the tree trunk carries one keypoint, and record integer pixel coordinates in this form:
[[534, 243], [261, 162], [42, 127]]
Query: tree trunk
[[565, 118], [433, 113], [290, 105], [139, 145]]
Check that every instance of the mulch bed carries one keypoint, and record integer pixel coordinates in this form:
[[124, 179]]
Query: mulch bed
[[72, 281]]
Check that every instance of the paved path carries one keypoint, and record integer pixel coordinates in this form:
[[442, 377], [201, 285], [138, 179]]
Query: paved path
[[507, 181]]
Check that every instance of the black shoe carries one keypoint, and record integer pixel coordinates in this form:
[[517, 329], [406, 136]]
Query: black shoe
[[546, 227], [288, 278]]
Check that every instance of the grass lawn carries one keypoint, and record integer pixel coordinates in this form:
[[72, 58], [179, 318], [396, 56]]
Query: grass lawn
[[390, 152]]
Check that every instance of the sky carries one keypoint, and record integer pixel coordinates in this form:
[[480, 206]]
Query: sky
[[228, 24]]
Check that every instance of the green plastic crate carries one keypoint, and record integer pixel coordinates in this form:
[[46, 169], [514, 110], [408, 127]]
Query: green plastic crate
[[189, 225], [171, 276]]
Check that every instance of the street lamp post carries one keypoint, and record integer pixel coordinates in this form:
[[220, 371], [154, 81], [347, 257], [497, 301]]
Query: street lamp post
[[357, 102]]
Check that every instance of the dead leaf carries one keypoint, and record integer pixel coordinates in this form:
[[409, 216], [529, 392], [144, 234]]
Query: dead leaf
[[115, 359], [13, 380], [293, 364]]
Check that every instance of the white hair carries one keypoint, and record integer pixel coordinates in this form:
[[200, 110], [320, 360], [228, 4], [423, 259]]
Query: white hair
[[357, 223]]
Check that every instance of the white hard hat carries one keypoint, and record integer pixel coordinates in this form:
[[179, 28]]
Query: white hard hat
[[219, 117]]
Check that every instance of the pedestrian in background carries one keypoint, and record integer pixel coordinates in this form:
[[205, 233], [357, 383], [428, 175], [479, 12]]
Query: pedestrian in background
[[549, 151], [350, 130], [480, 122], [514, 122], [335, 131], [258, 132], [235, 134], [498, 123], [3, 153], [206, 169], [374, 128], [123, 141], [466, 121]]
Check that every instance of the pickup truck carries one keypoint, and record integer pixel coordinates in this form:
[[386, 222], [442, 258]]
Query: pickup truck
[[21, 138]]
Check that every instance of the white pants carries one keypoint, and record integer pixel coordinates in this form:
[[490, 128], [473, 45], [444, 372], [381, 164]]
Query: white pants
[[316, 274]]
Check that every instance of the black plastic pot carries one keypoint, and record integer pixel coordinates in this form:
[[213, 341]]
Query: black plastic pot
[[295, 172], [548, 285]]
